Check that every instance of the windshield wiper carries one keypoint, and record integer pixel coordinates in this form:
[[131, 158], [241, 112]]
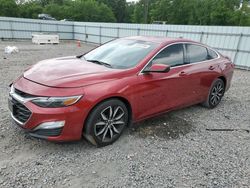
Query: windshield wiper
[[99, 62]]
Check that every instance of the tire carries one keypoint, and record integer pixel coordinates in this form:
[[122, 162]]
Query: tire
[[106, 122], [216, 93]]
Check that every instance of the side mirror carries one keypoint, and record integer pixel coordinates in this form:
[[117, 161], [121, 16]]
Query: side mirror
[[158, 68]]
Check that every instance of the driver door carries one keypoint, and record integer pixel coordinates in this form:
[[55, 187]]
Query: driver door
[[160, 92]]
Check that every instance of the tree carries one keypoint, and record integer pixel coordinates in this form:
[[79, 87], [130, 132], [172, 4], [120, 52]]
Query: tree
[[197, 12], [142, 10], [200, 14], [30, 10], [161, 11], [138, 13], [89, 10], [222, 12], [57, 11], [118, 7], [188, 12], [46, 2], [241, 17], [128, 18], [8, 8]]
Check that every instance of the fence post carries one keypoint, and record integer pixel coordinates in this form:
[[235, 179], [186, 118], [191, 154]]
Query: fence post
[[237, 49], [40, 27], [118, 32], [201, 37], [73, 31], [57, 28], [167, 33], [85, 32], [11, 30], [100, 33], [138, 31]]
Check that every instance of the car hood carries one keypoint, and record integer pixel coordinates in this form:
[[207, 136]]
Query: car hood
[[68, 72]]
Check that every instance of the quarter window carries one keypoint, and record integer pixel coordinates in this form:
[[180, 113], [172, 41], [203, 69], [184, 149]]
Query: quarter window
[[172, 55], [212, 54], [196, 53]]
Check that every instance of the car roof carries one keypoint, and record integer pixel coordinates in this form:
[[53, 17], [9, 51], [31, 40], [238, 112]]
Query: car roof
[[158, 39]]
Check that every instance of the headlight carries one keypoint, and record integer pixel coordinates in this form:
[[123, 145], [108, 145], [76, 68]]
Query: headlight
[[55, 102]]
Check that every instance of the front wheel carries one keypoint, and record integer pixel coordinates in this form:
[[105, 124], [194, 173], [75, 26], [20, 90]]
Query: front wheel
[[106, 122], [216, 93]]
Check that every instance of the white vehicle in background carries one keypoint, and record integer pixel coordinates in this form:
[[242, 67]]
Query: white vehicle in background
[[160, 22], [45, 17], [66, 20]]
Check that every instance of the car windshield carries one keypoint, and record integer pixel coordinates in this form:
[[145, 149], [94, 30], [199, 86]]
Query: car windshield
[[120, 53]]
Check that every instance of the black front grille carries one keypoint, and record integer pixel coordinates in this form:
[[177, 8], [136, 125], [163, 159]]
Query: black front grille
[[48, 132], [23, 94], [20, 112]]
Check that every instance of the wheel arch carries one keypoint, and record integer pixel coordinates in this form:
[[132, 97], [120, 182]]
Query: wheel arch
[[123, 99], [223, 78], [128, 105]]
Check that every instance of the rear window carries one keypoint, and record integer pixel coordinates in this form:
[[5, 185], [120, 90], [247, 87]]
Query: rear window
[[196, 53]]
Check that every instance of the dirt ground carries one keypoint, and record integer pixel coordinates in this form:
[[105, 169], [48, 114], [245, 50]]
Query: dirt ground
[[174, 150]]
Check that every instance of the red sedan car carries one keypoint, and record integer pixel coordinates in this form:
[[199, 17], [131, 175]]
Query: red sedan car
[[123, 81]]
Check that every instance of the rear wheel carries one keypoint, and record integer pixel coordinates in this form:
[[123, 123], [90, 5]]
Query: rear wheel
[[216, 93], [106, 122]]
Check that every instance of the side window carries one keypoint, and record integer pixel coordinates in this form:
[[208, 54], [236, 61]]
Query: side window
[[172, 55], [196, 53], [212, 54]]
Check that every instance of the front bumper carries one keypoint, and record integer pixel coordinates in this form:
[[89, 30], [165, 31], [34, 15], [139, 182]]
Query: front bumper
[[72, 116]]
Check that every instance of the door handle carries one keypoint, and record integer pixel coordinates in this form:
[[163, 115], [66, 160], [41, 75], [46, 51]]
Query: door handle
[[211, 67], [182, 73]]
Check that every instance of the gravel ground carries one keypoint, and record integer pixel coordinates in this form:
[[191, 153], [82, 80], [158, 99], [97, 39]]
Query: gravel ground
[[173, 150]]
